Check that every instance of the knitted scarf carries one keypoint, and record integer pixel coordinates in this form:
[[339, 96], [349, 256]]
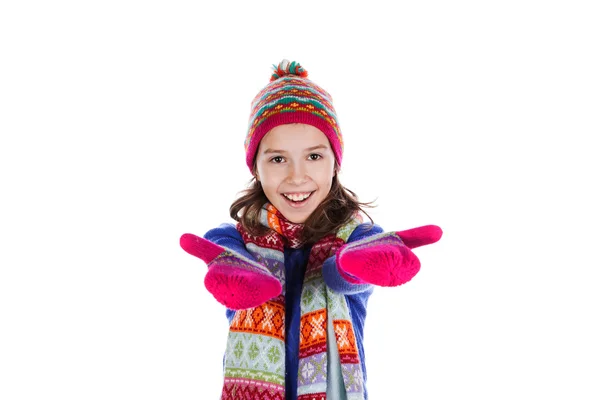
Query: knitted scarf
[[255, 355]]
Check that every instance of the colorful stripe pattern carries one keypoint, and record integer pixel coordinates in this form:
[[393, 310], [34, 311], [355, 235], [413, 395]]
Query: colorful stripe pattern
[[291, 98], [255, 356]]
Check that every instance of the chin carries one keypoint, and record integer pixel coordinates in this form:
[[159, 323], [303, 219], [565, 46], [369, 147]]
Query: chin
[[295, 218], [298, 220]]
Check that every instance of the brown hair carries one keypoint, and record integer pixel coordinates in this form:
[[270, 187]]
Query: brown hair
[[336, 210]]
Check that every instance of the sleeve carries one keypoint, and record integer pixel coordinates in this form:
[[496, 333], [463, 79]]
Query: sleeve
[[331, 274], [226, 235]]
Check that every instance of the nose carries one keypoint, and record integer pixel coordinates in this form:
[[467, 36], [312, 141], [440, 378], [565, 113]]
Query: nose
[[297, 173]]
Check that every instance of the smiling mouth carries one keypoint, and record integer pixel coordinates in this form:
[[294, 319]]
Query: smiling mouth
[[297, 198]]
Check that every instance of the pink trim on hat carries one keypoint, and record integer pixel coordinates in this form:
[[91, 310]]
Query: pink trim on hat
[[297, 117]]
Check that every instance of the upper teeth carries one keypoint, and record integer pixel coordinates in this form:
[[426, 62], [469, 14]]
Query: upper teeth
[[296, 196]]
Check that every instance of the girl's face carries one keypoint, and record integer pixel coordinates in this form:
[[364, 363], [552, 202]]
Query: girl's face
[[295, 166]]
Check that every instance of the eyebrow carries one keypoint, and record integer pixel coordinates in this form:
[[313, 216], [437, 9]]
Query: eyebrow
[[320, 146]]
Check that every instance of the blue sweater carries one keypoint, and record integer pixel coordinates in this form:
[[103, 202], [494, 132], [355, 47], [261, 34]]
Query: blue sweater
[[226, 235]]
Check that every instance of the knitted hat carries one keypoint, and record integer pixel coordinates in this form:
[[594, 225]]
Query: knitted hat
[[291, 98]]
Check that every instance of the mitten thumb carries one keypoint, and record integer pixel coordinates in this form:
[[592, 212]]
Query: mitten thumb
[[199, 247], [420, 236]]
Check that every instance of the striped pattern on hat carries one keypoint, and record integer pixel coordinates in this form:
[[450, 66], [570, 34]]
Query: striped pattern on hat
[[291, 98]]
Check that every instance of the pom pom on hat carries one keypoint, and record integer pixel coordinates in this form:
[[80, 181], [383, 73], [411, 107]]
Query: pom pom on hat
[[286, 68], [291, 98]]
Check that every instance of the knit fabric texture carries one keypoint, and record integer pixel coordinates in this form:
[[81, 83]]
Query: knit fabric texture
[[254, 360], [295, 261], [292, 98]]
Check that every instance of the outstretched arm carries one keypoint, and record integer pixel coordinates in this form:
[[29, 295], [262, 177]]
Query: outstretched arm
[[338, 280], [234, 278], [227, 235], [384, 259]]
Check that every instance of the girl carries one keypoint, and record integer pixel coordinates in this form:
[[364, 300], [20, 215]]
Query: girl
[[297, 269]]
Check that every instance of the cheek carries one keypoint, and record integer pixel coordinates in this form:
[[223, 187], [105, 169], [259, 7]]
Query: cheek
[[270, 181], [323, 174], [327, 183], [271, 177]]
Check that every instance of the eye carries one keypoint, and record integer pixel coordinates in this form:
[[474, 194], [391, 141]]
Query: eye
[[277, 159], [315, 156]]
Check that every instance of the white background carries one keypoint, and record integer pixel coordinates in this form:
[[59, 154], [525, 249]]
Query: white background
[[122, 127]]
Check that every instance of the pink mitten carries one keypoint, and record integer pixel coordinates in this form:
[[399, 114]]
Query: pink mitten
[[385, 259], [234, 280]]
